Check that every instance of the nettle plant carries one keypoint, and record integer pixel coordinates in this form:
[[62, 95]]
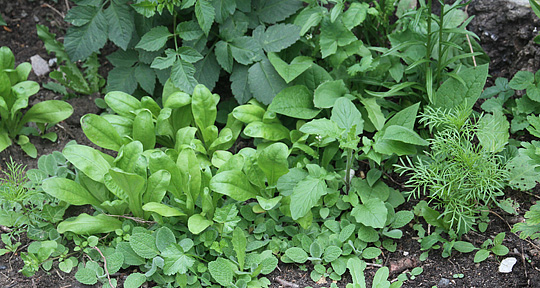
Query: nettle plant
[[15, 92]]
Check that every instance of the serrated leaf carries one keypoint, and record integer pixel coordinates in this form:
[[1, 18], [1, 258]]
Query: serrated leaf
[[305, 196], [144, 245], [295, 101], [240, 84], [245, 50], [224, 56], [205, 13], [114, 262], [280, 36], [331, 253], [189, 30], [355, 15], [223, 8], [86, 276], [154, 39], [122, 79], [289, 72], [272, 11], [176, 261], [121, 24], [452, 93], [222, 271], [182, 76], [80, 42], [264, 82]]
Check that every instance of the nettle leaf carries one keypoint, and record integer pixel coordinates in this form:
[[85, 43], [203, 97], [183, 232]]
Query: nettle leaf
[[223, 8], [280, 36], [264, 82], [222, 271], [334, 35], [189, 30], [346, 116], [272, 11], [372, 212], [176, 261], [121, 24], [182, 76], [245, 50], [205, 13], [154, 39], [122, 79], [295, 101], [81, 41], [289, 72], [306, 195], [207, 71], [328, 92], [355, 14]]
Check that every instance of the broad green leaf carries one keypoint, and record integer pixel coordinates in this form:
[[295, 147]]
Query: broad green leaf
[[81, 41], [298, 255], [306, 195], [248, 113], [402, 218], [101, 132], [521, 80], [69, 191], [356, 269], [280, 36], [223, 8], [481, 255], [402, 134], [154, 39], [313, 78], [355, 14], [88, 160], [245, 50], [146, 77], [240, 84], [331, 253], [133, 186], [203, 107], [405, 117], [309, 17], [122, 79], [205, 13], [122, 103], [86, 276], [371, 213], [224, 56], [272, 11], [156, 186], [522, 175], [296, 102], [464, 247], [334, 35], [268, 131], [189, 30], [176, 261], [452, 93], [346, 116], [493, 132], [198, 223], [264, 82], [162, 209], [121, 24], [323, 127], [328, 92], [374, 112], [239, 241], [144, 245], [182, 76], [135, 280], [273, 162], [232, 183], [164, 238], [289, 72], [50, 111], [222, 271], [85, 224], [143, 129]]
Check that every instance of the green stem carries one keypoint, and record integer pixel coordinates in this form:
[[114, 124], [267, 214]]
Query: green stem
[[441, 25], [348, 168]]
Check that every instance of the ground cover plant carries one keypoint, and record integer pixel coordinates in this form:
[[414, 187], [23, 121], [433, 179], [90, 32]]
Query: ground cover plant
[[183, 188]]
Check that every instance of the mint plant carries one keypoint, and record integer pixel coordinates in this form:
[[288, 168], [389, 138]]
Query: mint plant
[[15, 92]]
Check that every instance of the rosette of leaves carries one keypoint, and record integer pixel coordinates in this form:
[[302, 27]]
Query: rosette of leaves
[[15, 92], [461, 175]]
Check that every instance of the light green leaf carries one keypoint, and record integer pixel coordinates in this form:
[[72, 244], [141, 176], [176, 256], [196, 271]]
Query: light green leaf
[[133, 186], [334, 35], [331, 253], [198, 223], [268, 131], [144, 245], [273, 162], [521, 80], [289, 72], [164, 238], [239, 241], [176, 261], [323, 127], [134, 280], [402, 134], [522, 175], [222, 271], [481, 255], [295, 101], [452, 93], [87, 159], [328, 92], [355, 14], [69, 191], [264, 82], [101, 132], [50, 111], [162, 209], [371, 213], [298, 255], [464, 247], [374, 112], [154, 39], [356, 269], [306, 195], [493, 132], [371, 253], [122, 103], [248, 113], [346, 116], [232, 183], [85, 224]]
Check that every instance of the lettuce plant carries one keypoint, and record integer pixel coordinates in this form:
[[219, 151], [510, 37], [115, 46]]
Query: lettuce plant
[[15, 92]]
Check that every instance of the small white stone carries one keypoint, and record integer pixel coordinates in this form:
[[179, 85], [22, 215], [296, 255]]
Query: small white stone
[[405, 253], [40, 66], [52, 62], [507, 265]]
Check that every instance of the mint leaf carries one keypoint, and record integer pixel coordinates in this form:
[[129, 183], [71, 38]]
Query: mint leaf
[[121, 24], [264, 82], [280, 36], [222, 271], [144, 245], [295, 101], [134, 280], [205, 13], [176, 262], [81, 42], [86, 276], [154, 39], [298, 255], [164, 238], [371, 213]]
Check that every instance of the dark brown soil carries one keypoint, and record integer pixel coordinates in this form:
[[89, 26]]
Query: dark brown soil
[[506, 31]]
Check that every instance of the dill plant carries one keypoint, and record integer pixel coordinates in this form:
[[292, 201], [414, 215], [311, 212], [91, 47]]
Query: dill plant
[[459, 174]]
